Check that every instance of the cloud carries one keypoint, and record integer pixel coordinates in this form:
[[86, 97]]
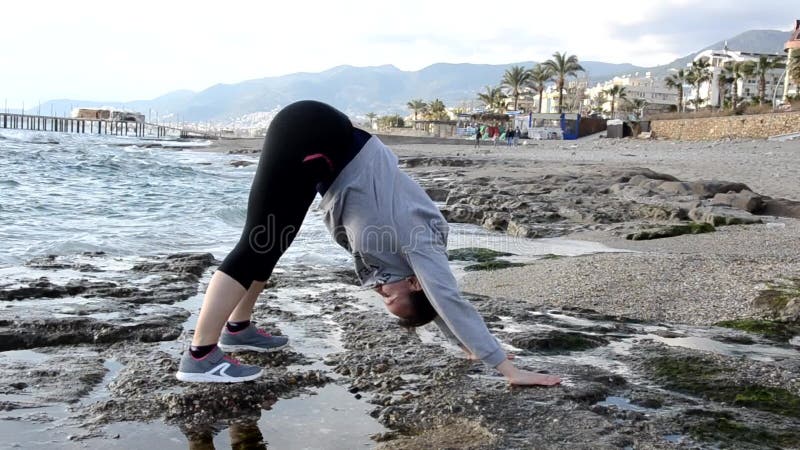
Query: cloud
[[111, 51]]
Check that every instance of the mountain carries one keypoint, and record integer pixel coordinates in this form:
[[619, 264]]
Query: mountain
[[380, 89], [754, 41]]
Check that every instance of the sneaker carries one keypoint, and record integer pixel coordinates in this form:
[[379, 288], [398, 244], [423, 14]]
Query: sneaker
[[251, 339], [215, 367]]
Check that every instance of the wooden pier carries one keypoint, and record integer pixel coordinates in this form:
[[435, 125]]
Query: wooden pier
[[97, 126]]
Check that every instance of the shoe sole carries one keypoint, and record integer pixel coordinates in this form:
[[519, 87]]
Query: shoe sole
[[250, 348], [206, 378]]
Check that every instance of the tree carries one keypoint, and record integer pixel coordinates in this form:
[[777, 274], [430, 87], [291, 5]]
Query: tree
[[677, 81], [698, 74], [437, 110], [540, 76], [598, 101], [515, 79], [616, 92], [371, 116], [638, 105], [741, 70], [764, 65], [562, 66], [394, 121], [417, 105], [493, 98], [725, 79]]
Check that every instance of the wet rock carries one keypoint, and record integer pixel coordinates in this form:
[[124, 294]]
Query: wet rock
[[671, 231], [32, 333], [178, 264], [781, 299], [242, 163], [557, 341], [778, 331], [475, 254], [744, 200], [722, 215]]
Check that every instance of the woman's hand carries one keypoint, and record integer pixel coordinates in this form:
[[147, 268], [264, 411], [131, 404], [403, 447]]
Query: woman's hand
[[520, 377]]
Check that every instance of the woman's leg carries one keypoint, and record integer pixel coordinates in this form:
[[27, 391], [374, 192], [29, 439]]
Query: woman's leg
[[283, 189], [244, 309]]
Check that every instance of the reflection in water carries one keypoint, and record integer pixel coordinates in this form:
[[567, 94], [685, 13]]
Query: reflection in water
[[244, 434]]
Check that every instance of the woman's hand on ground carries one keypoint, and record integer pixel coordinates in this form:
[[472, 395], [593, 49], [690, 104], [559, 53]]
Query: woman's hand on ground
[[520, 377]]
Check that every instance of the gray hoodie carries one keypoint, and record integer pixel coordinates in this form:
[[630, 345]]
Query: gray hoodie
[[394, 230]]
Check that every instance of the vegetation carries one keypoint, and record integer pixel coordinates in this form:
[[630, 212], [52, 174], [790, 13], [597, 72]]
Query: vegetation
[[562, 66], [741, 69], [616, 92], [677, 81], [436, 111], [516, 79], [671, 231], [638, 105], [394, 121], [540, 76], [704, 378], [476, 254], [770, 329], [764, 65], [698, 74], [417, 106], [494, 99]]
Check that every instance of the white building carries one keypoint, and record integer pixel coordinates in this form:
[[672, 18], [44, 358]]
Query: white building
[[651, 89], [747, 88]]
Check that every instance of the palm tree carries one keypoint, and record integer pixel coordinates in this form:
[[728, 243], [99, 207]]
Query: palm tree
[[725, 79], [676, 81], [437, 110], [741, 69], [371, 116], [764, 65], [417, 105], [598, 101], [616, 92], [515, 79], [493, 98], [638, 105], [698, 74], [562, 66], [540, 76]]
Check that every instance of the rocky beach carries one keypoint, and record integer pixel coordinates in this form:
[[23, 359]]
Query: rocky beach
[[660, 279]]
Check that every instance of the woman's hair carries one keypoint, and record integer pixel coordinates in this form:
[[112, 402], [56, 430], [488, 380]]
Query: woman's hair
[[423, 311]]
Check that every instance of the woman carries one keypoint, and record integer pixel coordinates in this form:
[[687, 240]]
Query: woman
[[395, 232]]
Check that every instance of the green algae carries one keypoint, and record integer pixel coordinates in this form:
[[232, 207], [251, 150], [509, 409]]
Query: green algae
[[492, 265], [778, 331], [672, 231], [778, 295], [475, 254], [704, 378], [732, 434]]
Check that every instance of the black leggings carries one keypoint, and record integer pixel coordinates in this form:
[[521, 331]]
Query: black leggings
[[308, 143]]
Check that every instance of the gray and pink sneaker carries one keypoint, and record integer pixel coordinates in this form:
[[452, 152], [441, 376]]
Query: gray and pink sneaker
[[215, 367], [251, 339]]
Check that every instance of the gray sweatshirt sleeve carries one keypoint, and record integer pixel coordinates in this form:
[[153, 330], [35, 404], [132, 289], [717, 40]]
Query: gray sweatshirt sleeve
[[433, 272]]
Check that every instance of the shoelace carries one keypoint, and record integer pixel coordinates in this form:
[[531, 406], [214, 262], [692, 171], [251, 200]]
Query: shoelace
[[232, 360]]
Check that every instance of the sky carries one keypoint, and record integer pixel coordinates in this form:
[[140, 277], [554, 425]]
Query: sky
[[134, 50]]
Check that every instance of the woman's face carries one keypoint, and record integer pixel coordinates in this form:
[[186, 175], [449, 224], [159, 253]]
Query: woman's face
[[396, 296]]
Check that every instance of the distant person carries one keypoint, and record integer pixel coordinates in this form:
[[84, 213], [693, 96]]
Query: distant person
[[509, 137], [362, 191], [517, 134], [477, 137]]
